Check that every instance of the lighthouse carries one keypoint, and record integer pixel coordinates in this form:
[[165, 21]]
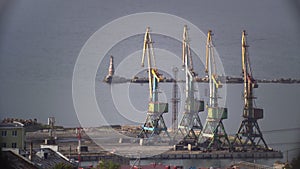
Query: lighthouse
[[111, 70]]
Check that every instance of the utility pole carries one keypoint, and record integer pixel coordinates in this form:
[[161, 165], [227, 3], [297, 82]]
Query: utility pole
[[78, 132], [175, 101]]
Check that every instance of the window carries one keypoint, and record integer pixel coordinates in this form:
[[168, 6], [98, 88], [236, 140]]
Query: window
[[3, 145], [13, 145], [14, 132], [3, 133]]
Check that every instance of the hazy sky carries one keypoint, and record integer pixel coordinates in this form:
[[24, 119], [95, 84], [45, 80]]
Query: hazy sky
[[40, 42]]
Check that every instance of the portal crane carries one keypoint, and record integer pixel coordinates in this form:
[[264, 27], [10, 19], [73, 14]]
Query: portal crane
[[213, 135], [249, 135], [154, 124], [190, 124]]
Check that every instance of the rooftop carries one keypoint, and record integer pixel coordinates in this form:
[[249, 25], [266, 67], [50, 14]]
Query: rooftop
[[47, 158], [11, 125], [16, 161], [41, 158]]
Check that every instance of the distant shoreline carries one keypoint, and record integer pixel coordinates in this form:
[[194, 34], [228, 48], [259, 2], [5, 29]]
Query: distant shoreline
[[227, 79]]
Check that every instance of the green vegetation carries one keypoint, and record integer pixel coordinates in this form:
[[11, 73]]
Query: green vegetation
[[107, 165], [295, 163], [63, 166]]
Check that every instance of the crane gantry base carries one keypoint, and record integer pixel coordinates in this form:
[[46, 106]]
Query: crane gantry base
[[190, 127], [154, 128], [249, 136], [213, 135]]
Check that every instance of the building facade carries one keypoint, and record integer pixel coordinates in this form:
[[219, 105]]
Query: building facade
[[12, 135]]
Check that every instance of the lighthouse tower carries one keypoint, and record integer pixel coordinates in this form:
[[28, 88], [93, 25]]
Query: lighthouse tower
[[111, 70]]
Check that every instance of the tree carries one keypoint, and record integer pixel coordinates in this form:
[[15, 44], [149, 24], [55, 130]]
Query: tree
[[295, 164]]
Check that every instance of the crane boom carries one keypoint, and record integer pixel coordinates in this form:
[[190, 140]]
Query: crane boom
[[210, 70], [208, 42], [148, 50], [249, 82], [186, 51], [188, 65]]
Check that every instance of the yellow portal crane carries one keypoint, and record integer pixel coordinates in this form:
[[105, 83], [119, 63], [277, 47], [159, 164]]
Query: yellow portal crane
[[213, 135], [154, 123], [249, 135], [190, 124]]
